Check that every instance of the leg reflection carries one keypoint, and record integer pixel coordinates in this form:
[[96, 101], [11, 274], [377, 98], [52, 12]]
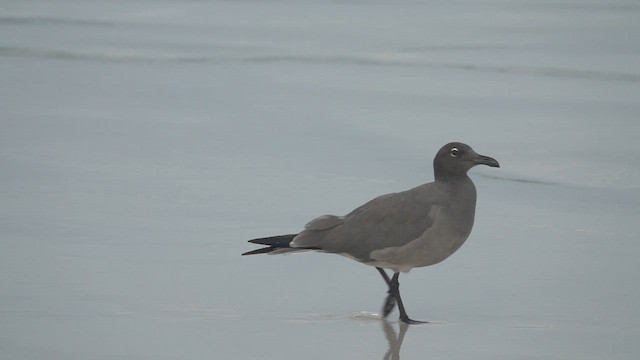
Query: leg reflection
[[394, 340]]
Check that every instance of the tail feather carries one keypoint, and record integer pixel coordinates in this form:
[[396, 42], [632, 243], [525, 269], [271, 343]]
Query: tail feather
[[273, 243], [264, 250]]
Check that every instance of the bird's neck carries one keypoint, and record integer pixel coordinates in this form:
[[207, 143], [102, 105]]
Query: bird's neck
[[452, 178], [459, 188]]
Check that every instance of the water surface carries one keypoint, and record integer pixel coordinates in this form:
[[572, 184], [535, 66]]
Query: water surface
[[144, 142]]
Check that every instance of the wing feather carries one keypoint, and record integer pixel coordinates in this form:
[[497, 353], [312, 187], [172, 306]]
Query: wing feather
[[386, 221]]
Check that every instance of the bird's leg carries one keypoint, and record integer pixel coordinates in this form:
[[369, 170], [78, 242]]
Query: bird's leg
[[394, 287], [390, 301]]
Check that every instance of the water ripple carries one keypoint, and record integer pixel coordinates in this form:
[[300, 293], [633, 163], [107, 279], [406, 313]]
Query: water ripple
[[16, 20], [137, 55]]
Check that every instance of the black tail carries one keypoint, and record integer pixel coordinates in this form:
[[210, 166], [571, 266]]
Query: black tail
[[272, 242]]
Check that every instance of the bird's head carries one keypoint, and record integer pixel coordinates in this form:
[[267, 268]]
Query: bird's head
[[455, 159]]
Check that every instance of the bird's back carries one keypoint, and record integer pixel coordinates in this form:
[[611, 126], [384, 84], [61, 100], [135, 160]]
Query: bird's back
[[386, 227]]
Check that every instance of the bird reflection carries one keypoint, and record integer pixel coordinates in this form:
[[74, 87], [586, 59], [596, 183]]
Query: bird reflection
[[394, 339]]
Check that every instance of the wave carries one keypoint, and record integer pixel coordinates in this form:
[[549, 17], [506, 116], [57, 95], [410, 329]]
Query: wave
[[122, 56], [364, 60], [526, 70], [15, 20], [519, 180]]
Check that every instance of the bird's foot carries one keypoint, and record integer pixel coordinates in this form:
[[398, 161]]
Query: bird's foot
[[406, 320]]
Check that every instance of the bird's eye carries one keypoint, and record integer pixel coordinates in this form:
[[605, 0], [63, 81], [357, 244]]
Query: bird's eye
[[454, 152]]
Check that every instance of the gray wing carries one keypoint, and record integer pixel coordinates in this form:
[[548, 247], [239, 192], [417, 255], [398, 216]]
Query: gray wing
[[387, 221]]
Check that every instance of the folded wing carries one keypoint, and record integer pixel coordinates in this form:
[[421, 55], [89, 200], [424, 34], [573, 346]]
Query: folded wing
[[390, 220]]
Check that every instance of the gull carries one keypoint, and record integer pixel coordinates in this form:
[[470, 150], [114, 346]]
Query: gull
[[418, 227]]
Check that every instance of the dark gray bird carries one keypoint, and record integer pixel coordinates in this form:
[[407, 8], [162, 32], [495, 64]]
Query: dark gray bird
[[399, 231]]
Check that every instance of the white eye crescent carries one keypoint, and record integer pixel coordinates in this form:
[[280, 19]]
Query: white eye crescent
[[454, 152]]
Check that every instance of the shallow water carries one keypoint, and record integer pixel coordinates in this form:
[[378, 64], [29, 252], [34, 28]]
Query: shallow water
[[144, 142]]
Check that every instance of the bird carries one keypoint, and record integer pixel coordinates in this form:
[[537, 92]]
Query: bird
[[399, 231]]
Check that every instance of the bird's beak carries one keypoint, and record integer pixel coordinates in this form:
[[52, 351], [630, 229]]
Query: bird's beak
[[485, 160]]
